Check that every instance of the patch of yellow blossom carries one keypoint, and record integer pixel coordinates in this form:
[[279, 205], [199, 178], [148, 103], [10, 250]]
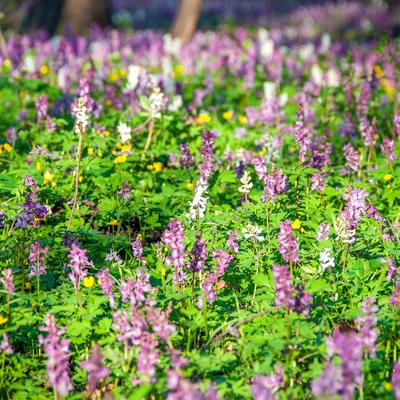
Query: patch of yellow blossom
[[44, 69], [157, 166], [203, 118], [178, 71], [7, 147], [387, 177], [88, 281], [113, 222], [120, 159], [296, 224], [242, 119], [190, 185], [90, 151], [48, 177], [38, 166], [227, 115], [3, 320]]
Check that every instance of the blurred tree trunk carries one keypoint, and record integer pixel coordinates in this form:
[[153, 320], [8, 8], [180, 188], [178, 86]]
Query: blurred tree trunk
[[186, 19], [52, 15]]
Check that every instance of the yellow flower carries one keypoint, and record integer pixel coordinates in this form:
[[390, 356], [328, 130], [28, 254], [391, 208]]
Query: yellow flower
[[114, 76], [106, 133], [387, 177], [88, 281], [361, 150], [203, 119], [38, 166], [190, 185], [178, 71], [90, 151], [7, 147], [292, 149], [80, 179], [118, 145], [44, 69], [99, 153], [99, 282], [260, 153], [1, 149], [122, 72], [242, 119], [3, 320], [388, 386], [48, 177], [53, 184], [108, 103], [163, 272], [378, 71], [113, 222], [296, 224], [158, 167], [120, 159], [227, 115], [34, 304], [28, 285], [126, 147], [7, 63]]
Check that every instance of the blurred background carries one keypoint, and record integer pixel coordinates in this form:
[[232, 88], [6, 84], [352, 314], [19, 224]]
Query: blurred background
[[369, 18]]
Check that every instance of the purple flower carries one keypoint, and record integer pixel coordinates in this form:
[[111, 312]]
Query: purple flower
[[5, 345], [57, 350], [134, 290], [113, 256], [187, 157], [265, 387], [208, 286], [96, 371], [369, 333], [329, 383], [78, 261], [173, 238], [396, 122], [222, 261], [106, 284], [387, 148], [289, 247], [137, 249], [8, 280], [352, 157], [302, 135], [275, 183], [260, 167], [232, 241], [317, 182], [148, 357], [396, 380], [125, 191], [42, 106], [37, 257], [198, 255], [11, 135]]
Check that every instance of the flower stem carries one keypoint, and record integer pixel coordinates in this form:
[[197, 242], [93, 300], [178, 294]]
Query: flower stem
[[149, 136]]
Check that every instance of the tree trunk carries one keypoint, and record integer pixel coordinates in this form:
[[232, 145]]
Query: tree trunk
[[186, 19], [81, 14]]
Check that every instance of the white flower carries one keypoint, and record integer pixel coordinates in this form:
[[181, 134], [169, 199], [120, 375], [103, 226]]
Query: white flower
[[81, 121], [176, 103], [124, 132], [246, 181], [199, 203], [133, 78], [269, 90], [156, 99], [326, 260], [252, 232]]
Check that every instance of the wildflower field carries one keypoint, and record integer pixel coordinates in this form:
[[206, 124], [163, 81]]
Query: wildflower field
[[218, 219]]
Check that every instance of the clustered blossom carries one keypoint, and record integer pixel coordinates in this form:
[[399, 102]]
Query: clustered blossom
[[288, 296], [368, 330], [199, 202], [323, 231], [8, 280], [125, 190], [5, 345], [137, 249], [173, 238], [156, 101], [288, 246], [222, 260], [353, 159], [187, 157], [326, 259], [317, 182], [396, 380], [396, 122], [82, 119], [341, 379], [134, 291], [37, 257], [246, 183], [96, 370], [198, 255], [387, 148], [78, 262], [265, 387], [124, 132], [57, 350], [231, 242], [106, 284], [302, 134], [42, 106], [113, 256], [252, 232]]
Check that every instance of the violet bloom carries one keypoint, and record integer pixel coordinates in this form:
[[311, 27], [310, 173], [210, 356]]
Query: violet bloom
[[37, 257], [8, 280], [78, 261], [148, 357], [42, 106], [289, 247], [11, 135], [356, 206], [329, 383], [302, 134], [260, 167], [396, 122], [387, 148], [369, 333], [113, 256], [173, 238], [96, 370], [275, 183], [209, 292], [187, 157], [317, 182], [352, 157], [396, 380], [135, 289], [265, 387], [106, 284], [232, 241], [198, 255], [137, 249], [5, 345], [222, 261], [125, 191], [57, 350]]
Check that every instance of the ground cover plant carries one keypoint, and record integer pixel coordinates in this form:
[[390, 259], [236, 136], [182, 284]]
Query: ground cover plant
[[216, 219]]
